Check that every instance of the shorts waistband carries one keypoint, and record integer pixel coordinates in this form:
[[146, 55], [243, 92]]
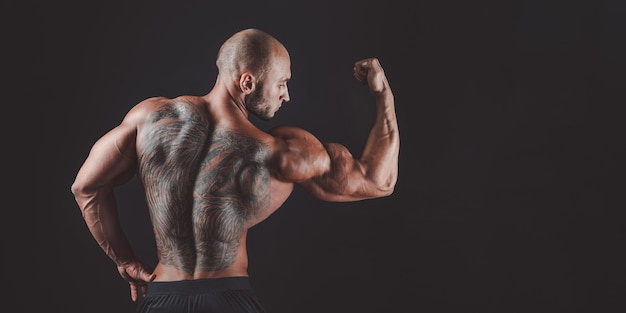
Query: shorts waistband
[[197, 286]]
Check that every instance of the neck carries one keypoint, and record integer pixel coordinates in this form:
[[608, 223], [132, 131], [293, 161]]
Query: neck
[[228, 96]]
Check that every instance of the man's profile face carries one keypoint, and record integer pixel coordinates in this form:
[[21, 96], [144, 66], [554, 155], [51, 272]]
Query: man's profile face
[[271, 91]]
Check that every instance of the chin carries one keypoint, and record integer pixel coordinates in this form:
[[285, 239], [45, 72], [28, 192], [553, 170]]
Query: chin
[[265, 117]]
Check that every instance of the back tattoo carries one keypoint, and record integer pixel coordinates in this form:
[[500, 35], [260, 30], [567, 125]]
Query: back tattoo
[[204, 186]]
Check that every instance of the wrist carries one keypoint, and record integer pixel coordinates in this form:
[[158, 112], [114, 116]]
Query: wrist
[[384, 94], [125, 260]]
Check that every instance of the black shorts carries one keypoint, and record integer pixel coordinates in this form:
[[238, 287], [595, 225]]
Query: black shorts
[[223, 295]]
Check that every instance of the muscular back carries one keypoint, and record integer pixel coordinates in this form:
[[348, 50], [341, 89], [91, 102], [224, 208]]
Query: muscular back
[[205, 185]]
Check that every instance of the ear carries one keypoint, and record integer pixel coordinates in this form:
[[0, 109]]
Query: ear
[[247, 83]]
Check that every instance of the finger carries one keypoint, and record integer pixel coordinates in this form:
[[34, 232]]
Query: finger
[[360, 72], [357, 74], [125, 275], [362, 68], [133, 292], [144, 290], [360, 78], [145, 275], [362, 62]]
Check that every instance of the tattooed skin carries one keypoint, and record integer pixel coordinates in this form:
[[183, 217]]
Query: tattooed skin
[[204, 186]]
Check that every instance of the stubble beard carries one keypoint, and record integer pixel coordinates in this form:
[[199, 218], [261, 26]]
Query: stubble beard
[[255, 102]]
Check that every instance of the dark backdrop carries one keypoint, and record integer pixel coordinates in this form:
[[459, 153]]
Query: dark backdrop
[[509, 197]]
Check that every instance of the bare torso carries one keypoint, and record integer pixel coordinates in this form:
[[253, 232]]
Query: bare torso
[[207, 177]]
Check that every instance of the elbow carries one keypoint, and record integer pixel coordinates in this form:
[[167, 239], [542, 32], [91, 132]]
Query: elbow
[[78, 189], [83, 187], [83, 194], [386, 187]]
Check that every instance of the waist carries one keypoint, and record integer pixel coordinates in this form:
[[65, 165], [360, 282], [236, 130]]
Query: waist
[[170, 273], [198, 286]]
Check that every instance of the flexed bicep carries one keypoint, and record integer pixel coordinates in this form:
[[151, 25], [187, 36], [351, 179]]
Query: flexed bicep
[[327, 171], [345, 179]]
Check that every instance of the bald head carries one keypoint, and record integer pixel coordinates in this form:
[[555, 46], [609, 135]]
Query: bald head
[[247, 50]]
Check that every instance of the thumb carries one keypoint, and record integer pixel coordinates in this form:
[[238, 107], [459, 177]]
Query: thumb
[[148, 276], [371, 63], [366, 65]]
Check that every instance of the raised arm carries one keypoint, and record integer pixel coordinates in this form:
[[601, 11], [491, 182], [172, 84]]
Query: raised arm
[[328, 170], [111, 162]]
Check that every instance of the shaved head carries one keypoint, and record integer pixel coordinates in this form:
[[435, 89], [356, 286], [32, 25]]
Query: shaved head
[[247, 50]]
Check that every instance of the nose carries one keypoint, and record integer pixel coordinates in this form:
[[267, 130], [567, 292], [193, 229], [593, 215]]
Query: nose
[[285, 96]]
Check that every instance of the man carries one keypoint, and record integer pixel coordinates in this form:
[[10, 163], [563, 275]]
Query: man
[[210, 175]]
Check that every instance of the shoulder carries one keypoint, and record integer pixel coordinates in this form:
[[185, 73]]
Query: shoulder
[[141, 111], [146, 106], [290, 133], [298, 154], [295, 139]]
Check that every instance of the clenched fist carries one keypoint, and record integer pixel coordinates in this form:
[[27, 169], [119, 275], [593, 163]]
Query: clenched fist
[[370, 72]]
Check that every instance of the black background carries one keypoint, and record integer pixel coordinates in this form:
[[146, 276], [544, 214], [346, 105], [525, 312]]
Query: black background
[[509, 197]]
